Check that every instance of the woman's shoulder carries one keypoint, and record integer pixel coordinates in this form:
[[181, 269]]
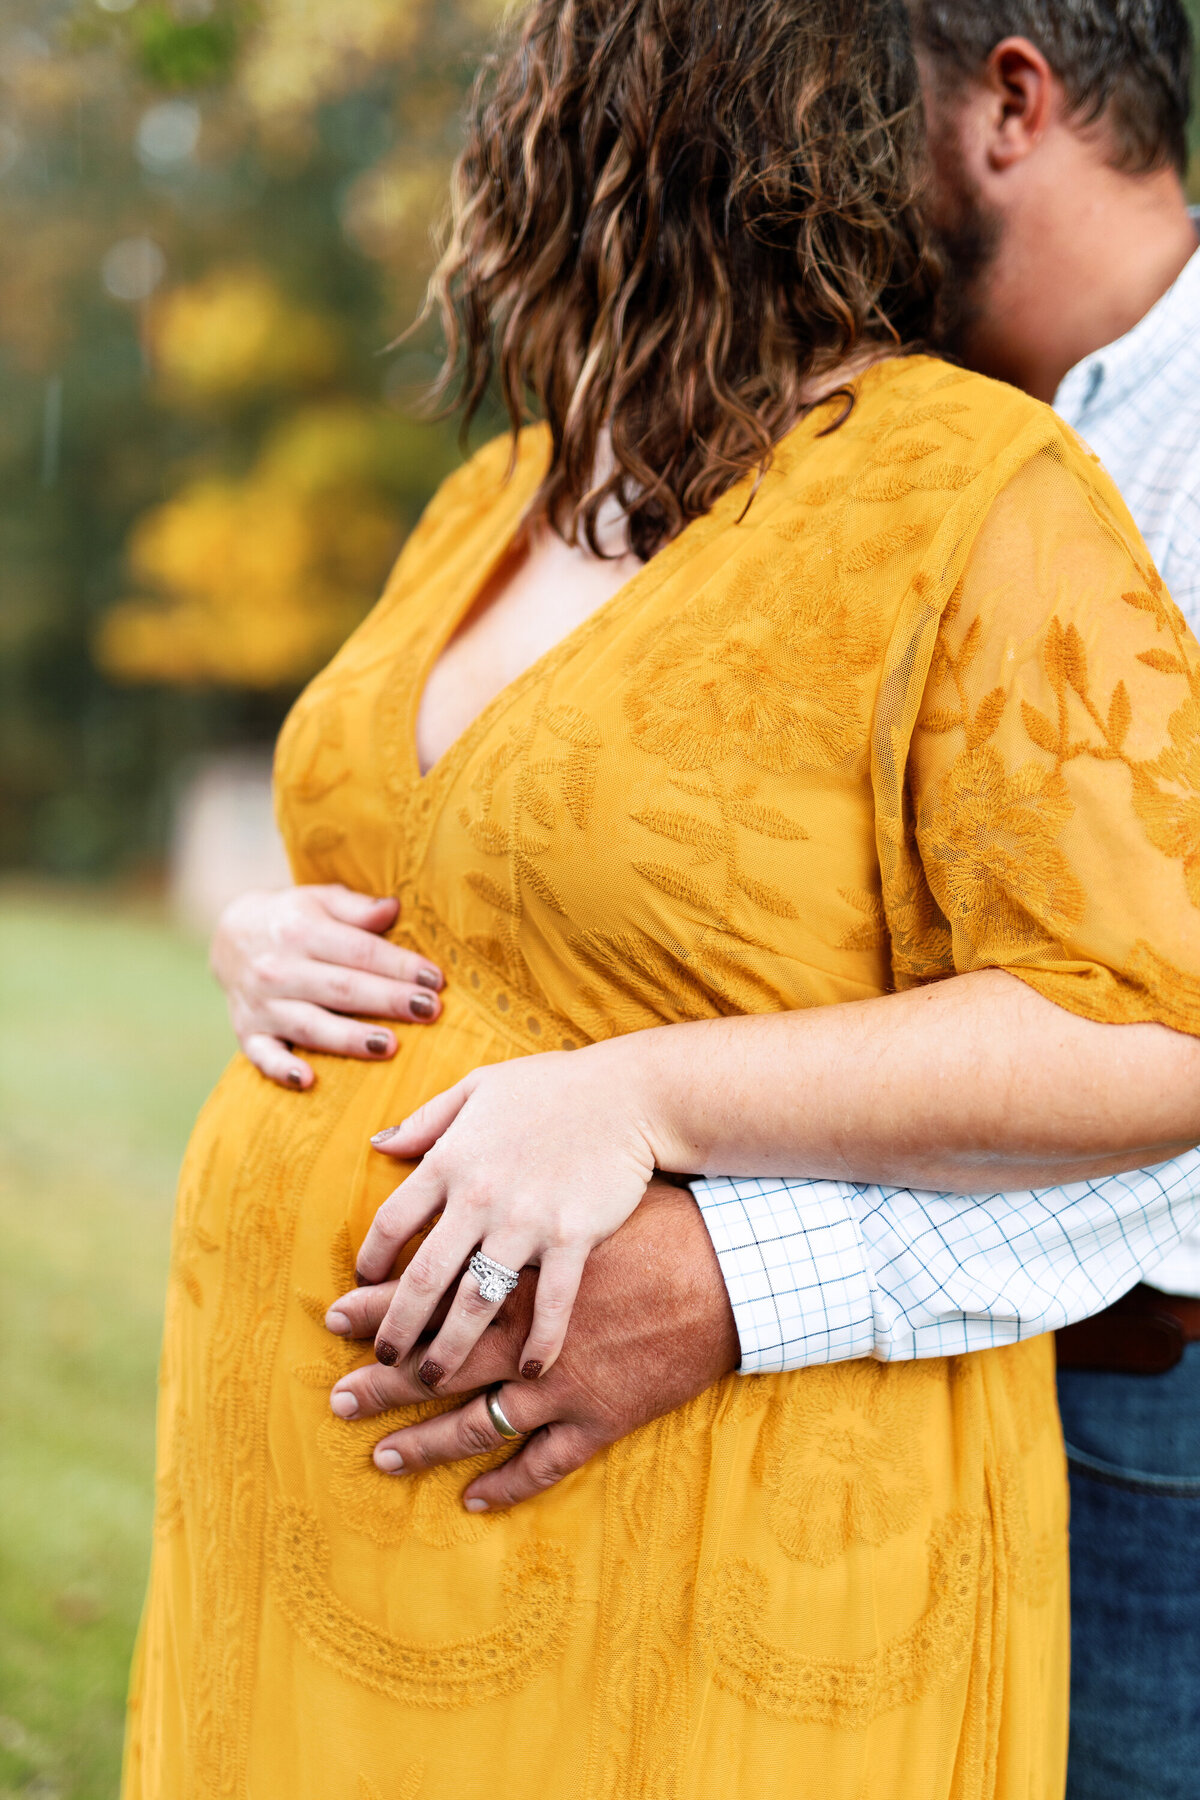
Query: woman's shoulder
[[485, 476], [986, 424], [1002, 433], [466, 505], [972, 417], [924, 453]]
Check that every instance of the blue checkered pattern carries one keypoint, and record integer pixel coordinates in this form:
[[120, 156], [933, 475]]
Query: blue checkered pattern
[[1137, 404], [823, 1271]]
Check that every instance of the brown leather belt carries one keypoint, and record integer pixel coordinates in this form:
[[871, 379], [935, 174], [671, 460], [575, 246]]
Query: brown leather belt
[[1143, 1333]]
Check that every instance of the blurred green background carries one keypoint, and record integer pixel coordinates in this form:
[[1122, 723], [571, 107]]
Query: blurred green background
[[112, 1034], [215, 217]]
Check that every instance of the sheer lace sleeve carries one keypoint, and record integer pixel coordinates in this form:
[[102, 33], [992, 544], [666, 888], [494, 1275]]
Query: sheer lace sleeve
[[1051, 816]]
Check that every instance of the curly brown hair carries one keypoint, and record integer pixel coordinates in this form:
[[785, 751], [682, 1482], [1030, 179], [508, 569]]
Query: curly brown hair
[[669, 218]]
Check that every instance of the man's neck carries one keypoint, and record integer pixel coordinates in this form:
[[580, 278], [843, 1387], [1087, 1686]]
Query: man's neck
[[1070, 278]]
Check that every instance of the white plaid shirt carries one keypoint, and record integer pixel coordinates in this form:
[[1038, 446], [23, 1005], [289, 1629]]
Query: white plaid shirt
[[823, 1271]]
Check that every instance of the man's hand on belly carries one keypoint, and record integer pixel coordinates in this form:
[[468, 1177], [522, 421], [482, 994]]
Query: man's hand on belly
[[651, 1329]]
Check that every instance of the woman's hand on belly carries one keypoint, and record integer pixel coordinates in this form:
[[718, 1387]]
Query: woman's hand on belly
[[652, 1328], [534, 1161], [294, 963]]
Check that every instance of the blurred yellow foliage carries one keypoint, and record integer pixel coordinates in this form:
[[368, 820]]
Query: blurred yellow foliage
[[234, 335], [304, 52], [388, 211], [307, 51], [341, 443], [255, 583]]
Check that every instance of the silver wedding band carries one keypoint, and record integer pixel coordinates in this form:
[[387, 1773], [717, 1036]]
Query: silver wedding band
[[496, 1415]]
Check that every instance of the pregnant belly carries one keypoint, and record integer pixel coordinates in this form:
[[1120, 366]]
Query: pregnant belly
[[278, 1186]]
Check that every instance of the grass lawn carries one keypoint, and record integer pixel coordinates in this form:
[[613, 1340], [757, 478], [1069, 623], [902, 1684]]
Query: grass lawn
[[111, 1032]]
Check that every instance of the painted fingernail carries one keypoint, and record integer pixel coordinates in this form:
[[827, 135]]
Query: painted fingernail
[[475, 1505], [378, 1045], [344, 1405], [386, 1353], [531, 1370], [337, 1321], [429, 977], [381, 1137], [390, 1461], [430, 1373], [422, 1006], [293, 1078]]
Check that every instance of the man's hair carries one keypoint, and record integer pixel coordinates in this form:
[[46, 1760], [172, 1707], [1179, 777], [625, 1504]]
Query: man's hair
[[1128, 62], [670, 215]]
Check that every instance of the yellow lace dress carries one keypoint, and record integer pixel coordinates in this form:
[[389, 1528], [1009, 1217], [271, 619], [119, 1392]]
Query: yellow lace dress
[[917, 704]]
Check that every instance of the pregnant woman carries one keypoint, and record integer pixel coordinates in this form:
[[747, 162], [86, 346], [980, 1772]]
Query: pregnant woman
[[758, 743]]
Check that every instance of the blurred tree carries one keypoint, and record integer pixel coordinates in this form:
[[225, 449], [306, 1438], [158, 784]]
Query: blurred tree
[[222, 212]]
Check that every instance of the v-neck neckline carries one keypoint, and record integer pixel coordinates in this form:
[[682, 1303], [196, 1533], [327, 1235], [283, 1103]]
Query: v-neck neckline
[[520, 489]]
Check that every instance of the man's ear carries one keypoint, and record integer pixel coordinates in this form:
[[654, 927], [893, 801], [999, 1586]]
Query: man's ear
[[1024, 95]]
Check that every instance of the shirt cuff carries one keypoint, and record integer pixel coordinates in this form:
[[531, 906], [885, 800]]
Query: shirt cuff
[[796, 1268]]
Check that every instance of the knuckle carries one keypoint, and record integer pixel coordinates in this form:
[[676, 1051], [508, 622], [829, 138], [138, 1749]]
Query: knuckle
[[477, 1435], [423, 1278], [291, 928], [545, 1471], [388, 1220], [416, 1454], [553, 1305], [369, 1390], [474, 1195], [266, 969], [378, 1388]]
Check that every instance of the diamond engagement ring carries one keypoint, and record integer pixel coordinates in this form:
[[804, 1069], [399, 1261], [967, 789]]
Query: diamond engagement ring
[[496, 1282]]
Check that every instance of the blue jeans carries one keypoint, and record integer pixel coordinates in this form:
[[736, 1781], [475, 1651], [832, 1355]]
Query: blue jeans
[[1133, 1444]]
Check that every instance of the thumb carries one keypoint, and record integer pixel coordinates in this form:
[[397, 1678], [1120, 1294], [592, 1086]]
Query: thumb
[[422, 1129], [367, 911]]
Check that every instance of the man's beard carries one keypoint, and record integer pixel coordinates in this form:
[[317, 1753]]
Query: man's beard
[[968, 236]]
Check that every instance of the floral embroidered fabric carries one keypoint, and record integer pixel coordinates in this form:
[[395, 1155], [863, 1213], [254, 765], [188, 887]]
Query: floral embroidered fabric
[[918, 705]]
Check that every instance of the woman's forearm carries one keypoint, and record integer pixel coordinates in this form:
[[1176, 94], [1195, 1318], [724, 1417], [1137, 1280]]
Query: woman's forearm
[[972, 1083]]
